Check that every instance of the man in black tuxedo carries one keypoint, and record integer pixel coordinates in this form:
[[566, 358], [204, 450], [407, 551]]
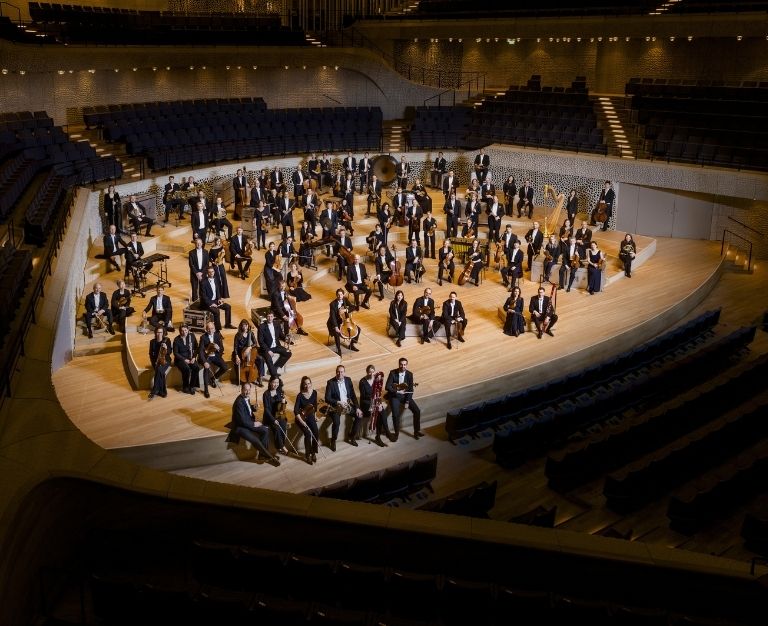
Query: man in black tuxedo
[[96, 303], [133, 252], [282, 307], [240, 187], [374, 194], [245, 425], [211, 300], [200, 221], [114, 247], [159, 350], [482, 163], [137, 214], [567, 252], [511, 274], [277, 180], [453, 311], [258, 194], [364, 169], [219, 217], [298, 178], [356, 277], [525, 202], [269, 336], [341, 399], [424, 313], [607, 195], [237, 245], [350, 164], [210, 352], [342, 242], [541, 313], [313, 170], [450, 184], [438, 169], [185, 359], [120, 302], [508, 240], [583, 235], [169, 201], [198, 262], [400, 394], [535, 239], [414, 262], [336, 321], [285, 212], [402, 171], [452, 210], [161, 310]]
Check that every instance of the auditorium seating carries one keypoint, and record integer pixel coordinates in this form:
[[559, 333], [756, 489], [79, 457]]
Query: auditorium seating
[[517, 405], [475, 501], [440, 127], [15, 272]]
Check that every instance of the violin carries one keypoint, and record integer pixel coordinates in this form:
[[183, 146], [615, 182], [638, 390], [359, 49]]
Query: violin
[[396, 279]]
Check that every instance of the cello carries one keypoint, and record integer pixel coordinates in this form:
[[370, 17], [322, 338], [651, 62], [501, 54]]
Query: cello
[[396, 279], [466, 272], [248, 371]]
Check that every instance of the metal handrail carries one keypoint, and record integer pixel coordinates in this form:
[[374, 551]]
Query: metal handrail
[[749, 243], [468, 83], [18, 11], [757, 232]]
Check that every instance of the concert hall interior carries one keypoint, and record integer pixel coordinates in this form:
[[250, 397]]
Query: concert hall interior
[[588, 450]]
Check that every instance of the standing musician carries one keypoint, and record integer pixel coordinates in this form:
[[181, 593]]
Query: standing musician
[[438, 170], [573, 256], [399, 202], [367, 404], [525, 203], [137, 214], [364, 167], [313, 170], [199, 222], [514, 324], [198, 262], [452, 210], [277, 180], [210, 352], [572, 206], [237, 249], [400, 394], [272, 260], [270, 334], [510, 193], [413, 214], [212, 300], [402, 171], [338, 310], [240, 187], [287, 253], [161, 310], [583, 235], [386, 219], [508, 240], [114, 247], [424, 313], [422, 197], [261, 217], [342, 241], [338, 183], [482, 163], [272, 399], [185, 359], [453, 312], [535, 239], [112, 207], [298, 178], [383, 264], [487, 189], [356, 283], [595, 263], [304, 411], [282, 308], [216, 259], [349, 165], [245, 425], [97, 305], [374, 194], [377, 237], [285, 212], [446, 263], [398, 316], [627, 254], [347, 191], [494, 219], [450, 184], [543, 315], [476, 258], [414, 257], [306, 253], [551, 254], [245, 348], [430, 226], [341, 399], [607, 195], [120, 303], [160, 359], [325, 171], [219, 218], [258, 194], [311, 202], [511, 275], [473, 216]]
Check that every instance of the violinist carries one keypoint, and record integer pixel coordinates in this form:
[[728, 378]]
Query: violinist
[[377, 238], [306, 236], [210, 352], [356, 283], [273, 399], [511, 274], [296, 284], [566, 230], [413, 261], [583, 235], [304, 411], [573, 255], [429, 225], [400, 394], [386, 218], [120, 303], [366, 387], [185, 359], [340, 324], [510, 192], [422, 197], [446, 264], [384, 261], [424, 313], [237, 245], [453, 312], [342, 242], [627, 254], [551, 254], [342, 400], [249, 364], [514, 324], [245, 425], [398, 316], [160, 359], [269, 337]]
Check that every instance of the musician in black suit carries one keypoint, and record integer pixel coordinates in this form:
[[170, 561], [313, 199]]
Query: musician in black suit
[[137, 214], [383, 266], [514, 323], [424, 313], [341, 399], [219, 217], [244, 347], [211, 299], [583, 235], [313, 170], [200, 221], [240, 188], [374, 194], [96, 303], [438, 169], [402, 171], [429, 225], [112, 207], [453, 312], [450, 184], [572, 206], [134, 251], [399, 201], [400, 394], [337, 311], [210, 353], [414, 261], [120, 303], [328, 220], [525, 202], [607, 195], [245, 425], [452, 210], [114, 247], [446, 264], [270, 335], [160, 358], [185, 359], [237, 249], [482, 163], [261, 224], [342, 242], [325, 171], [364, 168], [567, 261], [161, 310], [349, 164], [282, 308], [535, 239], [366, 405], [510, 193], [487, 189], [542, 312], [277, 180], [356, 283], [495, 214], [298, 178], [198, 262], [508, 240], [285, 212], [169, 202], [511, 274], [258, 194]]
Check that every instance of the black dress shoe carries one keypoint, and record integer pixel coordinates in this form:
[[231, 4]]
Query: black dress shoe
[[150, 396], [426, 340], [301, 331], [365, 305], [274, 461], [354, 348], [461, 339], [398, 344], [308, 458], [418, 434], [90, 334], [207, 394], [450, 347], [352, 442], [538, 334], [439, 282], [549, 332], [379, 442], [332, 445]]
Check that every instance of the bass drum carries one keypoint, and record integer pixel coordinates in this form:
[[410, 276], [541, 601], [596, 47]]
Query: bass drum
[[384, 167]]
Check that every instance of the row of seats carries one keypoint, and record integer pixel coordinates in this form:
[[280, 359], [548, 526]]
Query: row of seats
[[583, 460], [684, 88], [16, 120], [475, 501], [540, 429], [398, 481], [719, 491], [470, 420], [439, 127], [39, 217], [15, 175], [15, 272], [643, 480]]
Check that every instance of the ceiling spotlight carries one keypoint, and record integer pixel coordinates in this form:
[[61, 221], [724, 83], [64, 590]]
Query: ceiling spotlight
[[415, 40], [591, 40], [135, 69], [4, 71], [191, 67], [672, 38], [71, 71], [227, 66], [460, 39], [551, 39], [303, 67], [738, 37], [22, 72], [255, 67], [168, 67], [496, 39], [91, 71], [450, 39], [647, 38], [538, 39], [285, 66], [578, 39], [203, 67], [336, 67], [599, 38], [690, 37], [325, 67], [61, 72], [116, 70], [557, 40], [239, 67], [626, 38], [653, 38]]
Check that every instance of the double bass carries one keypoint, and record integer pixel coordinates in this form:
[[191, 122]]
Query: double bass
[[396, 278]]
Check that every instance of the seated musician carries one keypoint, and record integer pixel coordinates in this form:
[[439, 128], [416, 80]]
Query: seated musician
[[244, 424], [399, 388], [383, 264], [566, 230], [476, 258], [114, 247], [245, 353], [185, 359], [446, 265], [338, 313], [482, 165], [341, 399], [272, 398], [134, 251], [344, 217], [137, 214], [306, 252], [270, 334], [470, 227], [525, 201], [399, 202], [356, 283], [367, 404], [341, 258], [210, 353], [514, 324], [120, 303], [572, 256], [212, 300], [453, 313], [508, 240], [422, 197], [161, 310], [160, 359], [237, 253], [282, 308], [543, 315], [627, 254], [511, 275], [535, 239], [488, 189], [96, 305], [413, 261], [219, 218], [424, 313], [551, 254], [377, 237], [583, 235], [295, 281], [398, 316]]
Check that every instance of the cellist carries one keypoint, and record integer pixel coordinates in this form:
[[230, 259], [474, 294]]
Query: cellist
[[244, 355], [340, 323]]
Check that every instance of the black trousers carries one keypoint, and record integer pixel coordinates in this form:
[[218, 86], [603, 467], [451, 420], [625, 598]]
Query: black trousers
[[258, 436], [397, 403], [189, 373], [311, 434]]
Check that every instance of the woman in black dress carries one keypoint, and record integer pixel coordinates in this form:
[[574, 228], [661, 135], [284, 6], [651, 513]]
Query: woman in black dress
[[272, 399], [572, 206], [515, 322], [627, 254], [398, 311], [595, 262], [510, 193], [217, 254], [304, 411], [295, 281]]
